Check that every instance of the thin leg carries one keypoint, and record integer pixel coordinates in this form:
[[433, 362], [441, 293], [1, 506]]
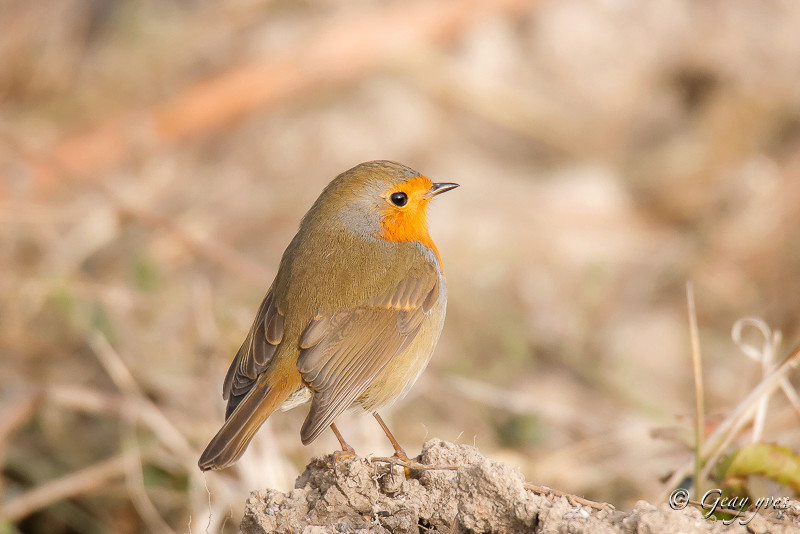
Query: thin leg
[[398, 450], [347, 451]]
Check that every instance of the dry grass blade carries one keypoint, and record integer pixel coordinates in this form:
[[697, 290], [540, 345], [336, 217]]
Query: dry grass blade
[[85, 400], [207, 248], [86, 480], [15, 416], [765, 356], [727, 431], [124, 380], [697, 366], [114, 365], [143, 410], [134, 480]]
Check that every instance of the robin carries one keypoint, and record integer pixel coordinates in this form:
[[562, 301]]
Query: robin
[[352, 317]]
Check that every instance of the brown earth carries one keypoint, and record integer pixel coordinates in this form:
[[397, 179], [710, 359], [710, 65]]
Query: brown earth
[[478, 495]]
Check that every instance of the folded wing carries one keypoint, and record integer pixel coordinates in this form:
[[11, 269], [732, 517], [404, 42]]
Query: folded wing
[[342, 353]]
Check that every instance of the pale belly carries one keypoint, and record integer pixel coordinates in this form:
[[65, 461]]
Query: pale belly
[[396, 379]]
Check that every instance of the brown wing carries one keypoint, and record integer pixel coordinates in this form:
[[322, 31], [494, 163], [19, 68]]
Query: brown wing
[[254, 354], [342, 353]]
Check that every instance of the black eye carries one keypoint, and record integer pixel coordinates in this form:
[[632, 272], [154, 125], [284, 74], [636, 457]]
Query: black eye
[[399, 199]]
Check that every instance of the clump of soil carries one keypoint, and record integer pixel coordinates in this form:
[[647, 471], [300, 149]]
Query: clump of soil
[[360, 495]]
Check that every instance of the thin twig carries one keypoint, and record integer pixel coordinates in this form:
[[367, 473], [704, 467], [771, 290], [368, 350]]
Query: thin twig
[[86, 480], [573, 499], [11, 419], [113, 364], [207, 247], [412, 465], [134, 480], [124, 380], [85, 400]]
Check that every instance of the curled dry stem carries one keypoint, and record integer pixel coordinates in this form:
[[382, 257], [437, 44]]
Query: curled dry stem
[[573, 499]]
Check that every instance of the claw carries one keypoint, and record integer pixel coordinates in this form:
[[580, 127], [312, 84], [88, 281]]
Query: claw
[[346, 451]]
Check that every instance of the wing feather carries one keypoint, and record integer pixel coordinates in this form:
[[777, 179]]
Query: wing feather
[[255, 353], [342, 353]]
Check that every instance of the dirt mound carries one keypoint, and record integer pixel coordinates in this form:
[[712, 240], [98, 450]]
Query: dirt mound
[[470, 493]]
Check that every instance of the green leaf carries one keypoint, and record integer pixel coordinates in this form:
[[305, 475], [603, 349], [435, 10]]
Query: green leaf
[[769, 460]]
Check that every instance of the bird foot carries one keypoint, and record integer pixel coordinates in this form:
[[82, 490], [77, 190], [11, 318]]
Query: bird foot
[[401, 455], [343, 454], [411, 464], [407, 463]]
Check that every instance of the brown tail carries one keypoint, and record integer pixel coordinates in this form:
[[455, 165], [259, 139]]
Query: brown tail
[[233, 438]]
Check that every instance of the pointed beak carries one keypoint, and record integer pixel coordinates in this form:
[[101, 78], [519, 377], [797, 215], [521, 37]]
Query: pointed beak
[[439, 188]]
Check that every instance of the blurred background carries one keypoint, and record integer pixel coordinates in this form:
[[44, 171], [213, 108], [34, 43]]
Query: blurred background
[[156, 159]]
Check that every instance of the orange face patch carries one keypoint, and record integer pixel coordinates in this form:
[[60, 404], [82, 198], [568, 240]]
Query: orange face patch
[[408, 222]]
